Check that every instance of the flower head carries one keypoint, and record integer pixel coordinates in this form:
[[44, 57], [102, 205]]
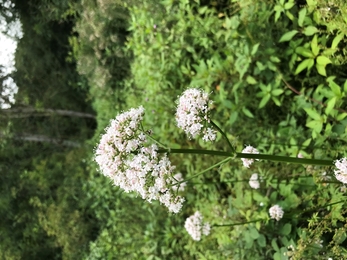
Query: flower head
[[195, 226], [193, 114], [249, 149], [276, 212], [254, 182], [124, 156], [341, 172]]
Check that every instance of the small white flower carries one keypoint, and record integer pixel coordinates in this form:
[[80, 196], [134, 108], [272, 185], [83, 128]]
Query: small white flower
[[249, 149], [192, 114], [341, 172], [253, 181], [276, 212], [196, 227], [125, 157], [179, 178]]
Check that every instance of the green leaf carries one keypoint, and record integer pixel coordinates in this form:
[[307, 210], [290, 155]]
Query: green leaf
[[345, 86], [314, 46], [337, 40], [313, 113], [316, 125], [322, 60], [251, 80], [233, 117], [277, 256], [288, 36], [341, 116], [261, 240], [302, 15], [304, 52], [310, 30], [247, 112], [289, 5], [286, 229], [254, 233], [330, 105], [264, 100], [335, 88], [277, 92], [303, 65], [321, 70], [274, 245], [255, 48], [276, 100], [274, 59]]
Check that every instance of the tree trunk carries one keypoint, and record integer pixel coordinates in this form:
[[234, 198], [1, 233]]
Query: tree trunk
[[30, 111], [42, 139]]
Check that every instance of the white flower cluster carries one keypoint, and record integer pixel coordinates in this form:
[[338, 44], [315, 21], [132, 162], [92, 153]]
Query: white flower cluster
[[254, 182], [195, 226], [276, 212], [192, 114], [341, 172], [249, 149], [123, 156], [176, 179]]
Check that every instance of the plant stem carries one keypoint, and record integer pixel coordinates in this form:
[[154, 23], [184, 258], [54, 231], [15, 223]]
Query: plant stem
[[224, 135], [274, 158], [206, 170], [237, 224]]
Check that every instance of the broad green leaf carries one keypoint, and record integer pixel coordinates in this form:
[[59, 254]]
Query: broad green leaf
[[290, 15], [304, 52], [303, 65], [307, 142], [341, 116], [274, 245], [289, 5], [314, 46], [264, 100], [277, 256], [302, 15], [261, 240], [288, 36], [322, 60], [310, 30], [275, 59], [313, 113], [247, 112], [276, 100], [251, 80], [330, 105], [286, 229], [321, 69], [335, 88], [255, 49], [345, 86], [316, 125], [254, 233], [337, 40], [233, 117], [277, 92]]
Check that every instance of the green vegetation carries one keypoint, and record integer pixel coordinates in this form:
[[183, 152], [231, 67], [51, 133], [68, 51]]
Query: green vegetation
[[276, 71]]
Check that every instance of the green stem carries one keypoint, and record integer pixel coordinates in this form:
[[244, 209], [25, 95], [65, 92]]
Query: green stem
[[274, 158], [224, 135], [237, 224], [208, 169]]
